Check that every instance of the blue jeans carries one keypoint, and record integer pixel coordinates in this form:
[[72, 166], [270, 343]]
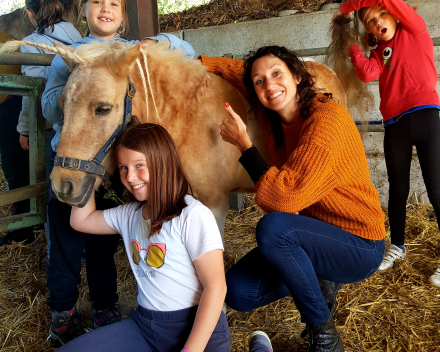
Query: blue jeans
[[50, 154], [292, 251], [67, 247]]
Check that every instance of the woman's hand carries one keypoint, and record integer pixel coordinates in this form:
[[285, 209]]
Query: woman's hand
[[24, 142], [233, 130]]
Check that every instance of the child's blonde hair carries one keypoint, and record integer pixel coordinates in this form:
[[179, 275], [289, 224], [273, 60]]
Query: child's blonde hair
[[82, 21]]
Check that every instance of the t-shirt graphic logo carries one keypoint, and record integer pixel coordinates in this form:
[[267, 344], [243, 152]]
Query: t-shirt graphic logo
[[136, 247], [387, 54], [156, 254]]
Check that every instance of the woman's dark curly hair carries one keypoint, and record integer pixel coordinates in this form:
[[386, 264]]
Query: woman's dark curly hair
[[306, 88]]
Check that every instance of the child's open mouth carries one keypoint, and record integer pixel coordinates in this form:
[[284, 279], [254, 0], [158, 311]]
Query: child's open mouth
[[383, 30]]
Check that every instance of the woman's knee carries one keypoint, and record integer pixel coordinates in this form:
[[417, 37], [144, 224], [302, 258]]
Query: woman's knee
[[268, 227], [272, 231]]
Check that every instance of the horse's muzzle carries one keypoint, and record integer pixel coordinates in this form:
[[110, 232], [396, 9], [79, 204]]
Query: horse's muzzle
[[75, 195]]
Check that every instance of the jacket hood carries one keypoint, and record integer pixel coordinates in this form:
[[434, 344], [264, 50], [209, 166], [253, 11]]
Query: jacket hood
[[64, 33]]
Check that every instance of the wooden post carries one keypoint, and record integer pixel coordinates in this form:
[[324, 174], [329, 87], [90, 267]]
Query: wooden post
[[143, 18], [236, 201]]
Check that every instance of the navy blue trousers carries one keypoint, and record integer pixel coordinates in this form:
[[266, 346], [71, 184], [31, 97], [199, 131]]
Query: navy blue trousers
[[150, 331], [67, 247], [15, 160], [422, 129], [292, 251]]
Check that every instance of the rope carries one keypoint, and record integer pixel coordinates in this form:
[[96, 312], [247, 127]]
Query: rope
[[145, 84], [149, 83], [13, 45]]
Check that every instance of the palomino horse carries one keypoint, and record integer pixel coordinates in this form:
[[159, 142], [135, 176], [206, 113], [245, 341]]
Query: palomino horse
[[176, 92]]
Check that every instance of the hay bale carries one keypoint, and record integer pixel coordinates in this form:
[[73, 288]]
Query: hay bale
[[219, 12]]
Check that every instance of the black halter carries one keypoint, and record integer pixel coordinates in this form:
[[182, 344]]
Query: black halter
[[93, 166]]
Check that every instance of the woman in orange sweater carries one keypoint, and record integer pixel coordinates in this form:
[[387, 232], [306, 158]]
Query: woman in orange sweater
[[320, 170]]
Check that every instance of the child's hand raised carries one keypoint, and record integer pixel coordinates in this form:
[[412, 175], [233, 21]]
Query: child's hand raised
[[337, 14]]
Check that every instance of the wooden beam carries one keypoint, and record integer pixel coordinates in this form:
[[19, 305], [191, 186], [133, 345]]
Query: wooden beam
[[143, 18], [22, 193], [19, 221], [26, 59]]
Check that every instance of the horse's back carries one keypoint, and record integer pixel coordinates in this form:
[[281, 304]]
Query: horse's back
[[326, 79]]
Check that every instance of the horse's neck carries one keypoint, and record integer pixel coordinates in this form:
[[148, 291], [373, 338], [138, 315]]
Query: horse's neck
[[161, 89]]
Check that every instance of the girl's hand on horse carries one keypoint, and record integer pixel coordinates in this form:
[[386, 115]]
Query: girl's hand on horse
[[233, 130], [147, 42]]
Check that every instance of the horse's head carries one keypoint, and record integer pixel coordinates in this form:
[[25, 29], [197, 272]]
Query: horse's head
[[93, 103]]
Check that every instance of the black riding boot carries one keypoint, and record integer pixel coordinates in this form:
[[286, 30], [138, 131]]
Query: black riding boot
[[329, 290], [323, 337]]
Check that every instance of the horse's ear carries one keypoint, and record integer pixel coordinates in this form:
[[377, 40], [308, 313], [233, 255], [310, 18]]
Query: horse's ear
[[134, 121], [70, 64], [132, 54]]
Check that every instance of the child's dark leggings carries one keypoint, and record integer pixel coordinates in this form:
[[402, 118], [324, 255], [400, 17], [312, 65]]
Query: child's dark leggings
[[422, 129]]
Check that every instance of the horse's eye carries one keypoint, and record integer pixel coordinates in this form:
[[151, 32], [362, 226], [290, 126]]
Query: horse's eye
[[103, 109]]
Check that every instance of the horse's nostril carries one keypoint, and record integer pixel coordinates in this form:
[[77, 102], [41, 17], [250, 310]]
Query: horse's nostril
[[67, 188]]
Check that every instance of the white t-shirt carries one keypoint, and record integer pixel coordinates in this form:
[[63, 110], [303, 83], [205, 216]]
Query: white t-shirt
[[163, 265]]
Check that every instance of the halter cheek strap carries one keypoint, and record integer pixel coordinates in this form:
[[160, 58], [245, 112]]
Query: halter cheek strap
[[93, 166]]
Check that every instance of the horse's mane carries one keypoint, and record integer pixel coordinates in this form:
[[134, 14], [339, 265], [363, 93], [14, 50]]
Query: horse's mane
[[172, 70], [108, 50]]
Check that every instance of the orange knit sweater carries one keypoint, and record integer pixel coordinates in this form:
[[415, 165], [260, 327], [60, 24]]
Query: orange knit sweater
[[321, 170]]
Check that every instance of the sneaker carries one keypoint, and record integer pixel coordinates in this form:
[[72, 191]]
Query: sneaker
[[435, 278], [20, 235], [391, 256], [261, 338], [65, 326], [106, 316]]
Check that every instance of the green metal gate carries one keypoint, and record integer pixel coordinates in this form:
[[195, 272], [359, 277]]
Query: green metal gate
[[37, 190]]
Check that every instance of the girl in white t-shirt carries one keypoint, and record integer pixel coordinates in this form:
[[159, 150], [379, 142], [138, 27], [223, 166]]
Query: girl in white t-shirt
[[174, 248]]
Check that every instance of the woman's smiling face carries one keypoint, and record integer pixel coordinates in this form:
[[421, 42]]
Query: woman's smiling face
[[276, 87], [380, 23]]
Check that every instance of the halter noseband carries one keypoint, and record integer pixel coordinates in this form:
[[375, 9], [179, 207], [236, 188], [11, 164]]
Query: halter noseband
[[93, 166]]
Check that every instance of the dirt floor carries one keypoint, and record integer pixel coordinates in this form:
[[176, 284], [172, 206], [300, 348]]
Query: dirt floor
[[219, 12]]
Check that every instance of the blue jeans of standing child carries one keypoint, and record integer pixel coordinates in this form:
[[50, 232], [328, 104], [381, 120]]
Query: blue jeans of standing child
[[292, 251], [150, 331]]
